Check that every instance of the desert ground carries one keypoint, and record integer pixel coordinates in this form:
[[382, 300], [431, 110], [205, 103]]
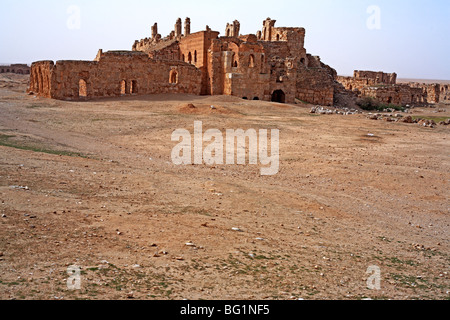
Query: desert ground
[[92, 184]]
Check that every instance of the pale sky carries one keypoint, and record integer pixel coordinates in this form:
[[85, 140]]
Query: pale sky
[[410, 37]]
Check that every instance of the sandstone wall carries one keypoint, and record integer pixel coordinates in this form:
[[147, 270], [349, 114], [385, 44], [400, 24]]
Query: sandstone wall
[[445, 93], [376, 77], [397, 95], [272, 65], [115, 74], [15, 68], [315, 86]]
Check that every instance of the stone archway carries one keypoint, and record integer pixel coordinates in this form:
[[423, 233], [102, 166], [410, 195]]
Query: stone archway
[[279, 96], [82, 88]]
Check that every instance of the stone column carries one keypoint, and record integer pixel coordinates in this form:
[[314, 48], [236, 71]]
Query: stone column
[[187, 27], [154, 31], [178, 28]]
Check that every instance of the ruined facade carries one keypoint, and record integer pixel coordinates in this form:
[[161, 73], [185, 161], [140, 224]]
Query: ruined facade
[[445, 93], [383, 87], [114, 73], [271, 65], [15, 68]]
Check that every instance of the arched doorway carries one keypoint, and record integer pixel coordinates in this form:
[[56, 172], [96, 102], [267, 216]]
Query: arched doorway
[[134, 87], [173, 77], [123, 87], [278, 96], [251, 63], [82, 88]]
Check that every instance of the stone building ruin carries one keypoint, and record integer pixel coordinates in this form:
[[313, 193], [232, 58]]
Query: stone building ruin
[[383, 87], [271, 65], [15, 68]]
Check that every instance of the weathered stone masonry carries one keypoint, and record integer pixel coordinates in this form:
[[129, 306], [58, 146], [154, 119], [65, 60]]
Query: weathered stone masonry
[[112, 74], [383, 87], [15, 68], [271, 65]]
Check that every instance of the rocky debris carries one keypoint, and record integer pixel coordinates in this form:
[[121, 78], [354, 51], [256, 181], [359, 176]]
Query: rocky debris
[[20, 187], [343, 111], [374, 116], [427, 123], [408, 119]]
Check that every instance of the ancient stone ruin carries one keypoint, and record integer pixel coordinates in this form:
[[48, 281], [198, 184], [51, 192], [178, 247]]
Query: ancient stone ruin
[[271, 65], [383, 87], [15, 68]]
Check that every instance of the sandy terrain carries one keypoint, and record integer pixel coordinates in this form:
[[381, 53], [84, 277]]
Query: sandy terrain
[[92, 184]]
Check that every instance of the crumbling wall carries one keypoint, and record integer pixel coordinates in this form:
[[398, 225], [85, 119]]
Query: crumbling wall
[[382, 87], [376, 77], [41, 78], [115, 74], [397, 95], [445, 93], [15, 68], [315, 86], [272, 65]]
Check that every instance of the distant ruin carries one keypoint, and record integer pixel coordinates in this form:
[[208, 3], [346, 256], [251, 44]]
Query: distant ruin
[[15, 68], [383, 87], [271, 65]]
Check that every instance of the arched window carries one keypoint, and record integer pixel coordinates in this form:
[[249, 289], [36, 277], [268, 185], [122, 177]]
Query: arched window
[[134, 87], [302, 61], [123, 87], [173, 78], [251, 63], [190, 57], [82, 88], [195, 56], [278, 37], [234, 62], [183, 58]]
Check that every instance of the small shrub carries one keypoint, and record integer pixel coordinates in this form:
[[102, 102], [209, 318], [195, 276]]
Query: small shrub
[[370, 104]]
